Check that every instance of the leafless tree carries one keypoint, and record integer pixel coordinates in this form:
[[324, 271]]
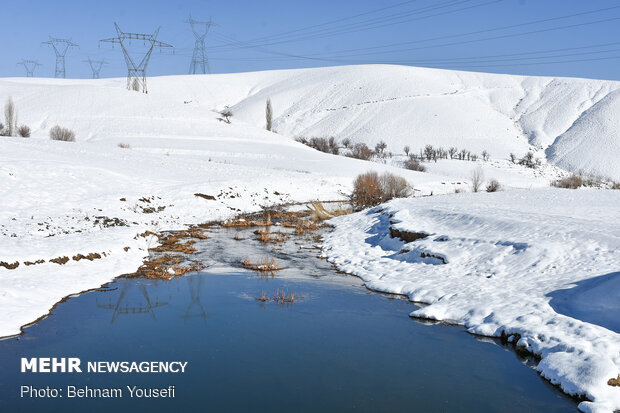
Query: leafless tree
[[10, 117], [380, 148], [269, 115], [406, 149], [485, 155], [428, 152], [226, 114], [513, 158], [477, 178], [346, 142], [452, 152]]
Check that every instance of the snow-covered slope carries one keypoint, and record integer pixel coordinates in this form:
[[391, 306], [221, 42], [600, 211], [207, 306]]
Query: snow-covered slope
[[571, 119]]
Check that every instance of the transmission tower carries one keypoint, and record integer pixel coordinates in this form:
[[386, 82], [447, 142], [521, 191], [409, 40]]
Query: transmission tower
[[60, 47], [200, 63], [30, 66], [136, 73], [95, 66]]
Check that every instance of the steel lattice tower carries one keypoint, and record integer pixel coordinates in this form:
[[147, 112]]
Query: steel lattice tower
[[60, 47], [30, 66], [136, 73], [200, 63], [95, 66]]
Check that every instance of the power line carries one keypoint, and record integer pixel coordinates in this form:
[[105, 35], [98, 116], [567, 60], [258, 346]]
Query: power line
[[360, 26]]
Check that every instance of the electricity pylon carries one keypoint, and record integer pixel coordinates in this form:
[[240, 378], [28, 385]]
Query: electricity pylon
[[136, 73], [200, 63], [30, 66], [60, 47], [95, 66]]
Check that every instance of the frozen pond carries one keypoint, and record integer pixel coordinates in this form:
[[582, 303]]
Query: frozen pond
[[339, 347]]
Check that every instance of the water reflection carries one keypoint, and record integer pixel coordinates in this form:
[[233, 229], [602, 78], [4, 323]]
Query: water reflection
[[132, 302]]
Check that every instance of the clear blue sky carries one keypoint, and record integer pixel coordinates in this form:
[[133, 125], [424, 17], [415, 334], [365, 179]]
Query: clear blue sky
[[279, 34]]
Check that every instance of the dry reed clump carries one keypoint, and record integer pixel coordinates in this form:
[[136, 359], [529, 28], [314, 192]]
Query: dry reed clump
[[267, 265], [165, 266], [614, 382], [124, 146], [322, 214], [245, 223], [172, 243], [279, 296], [267, 236]]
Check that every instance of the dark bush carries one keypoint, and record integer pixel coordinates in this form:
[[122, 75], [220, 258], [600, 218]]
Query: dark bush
[[494, 186], [23, 131]]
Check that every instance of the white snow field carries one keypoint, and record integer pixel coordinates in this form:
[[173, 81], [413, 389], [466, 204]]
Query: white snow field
[[539, 266], [90, 196]]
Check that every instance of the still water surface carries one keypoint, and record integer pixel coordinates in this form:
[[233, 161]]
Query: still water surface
[[339, 348]]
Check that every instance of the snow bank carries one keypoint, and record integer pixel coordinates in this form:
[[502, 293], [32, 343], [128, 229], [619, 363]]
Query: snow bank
[[540, 266]]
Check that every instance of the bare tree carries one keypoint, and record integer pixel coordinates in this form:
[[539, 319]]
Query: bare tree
[[477, 178], [406, 149], [334, 148], [10, 117], [226, 114], [380, 147], [269, 115], [346, 142], [513, 158], [485, 155], [428, 152], [452, 152]]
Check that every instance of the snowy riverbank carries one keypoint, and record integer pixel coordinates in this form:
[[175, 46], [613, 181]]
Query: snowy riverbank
[[502, 263]]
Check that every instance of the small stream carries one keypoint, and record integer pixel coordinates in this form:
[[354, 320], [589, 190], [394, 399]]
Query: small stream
[[338, 347]]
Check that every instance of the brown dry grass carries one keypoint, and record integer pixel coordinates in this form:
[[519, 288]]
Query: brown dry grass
[[614, 382], [267, 236], [166, 267], [89, 257], [267, 265], [9, 265], [279, 296]]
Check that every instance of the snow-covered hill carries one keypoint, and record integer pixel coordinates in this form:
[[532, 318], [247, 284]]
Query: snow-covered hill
[[571, 121]]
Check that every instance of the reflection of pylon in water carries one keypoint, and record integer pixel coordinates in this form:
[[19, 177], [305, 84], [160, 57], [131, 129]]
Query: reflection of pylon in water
[[195, 308], [119, 308]]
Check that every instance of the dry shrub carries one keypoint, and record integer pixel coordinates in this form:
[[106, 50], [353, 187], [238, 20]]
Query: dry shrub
[[361, 151], [23, 131], [370, 189], [124, 146], [414, 165], [570, 182], [62, 134], [494, 186]]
